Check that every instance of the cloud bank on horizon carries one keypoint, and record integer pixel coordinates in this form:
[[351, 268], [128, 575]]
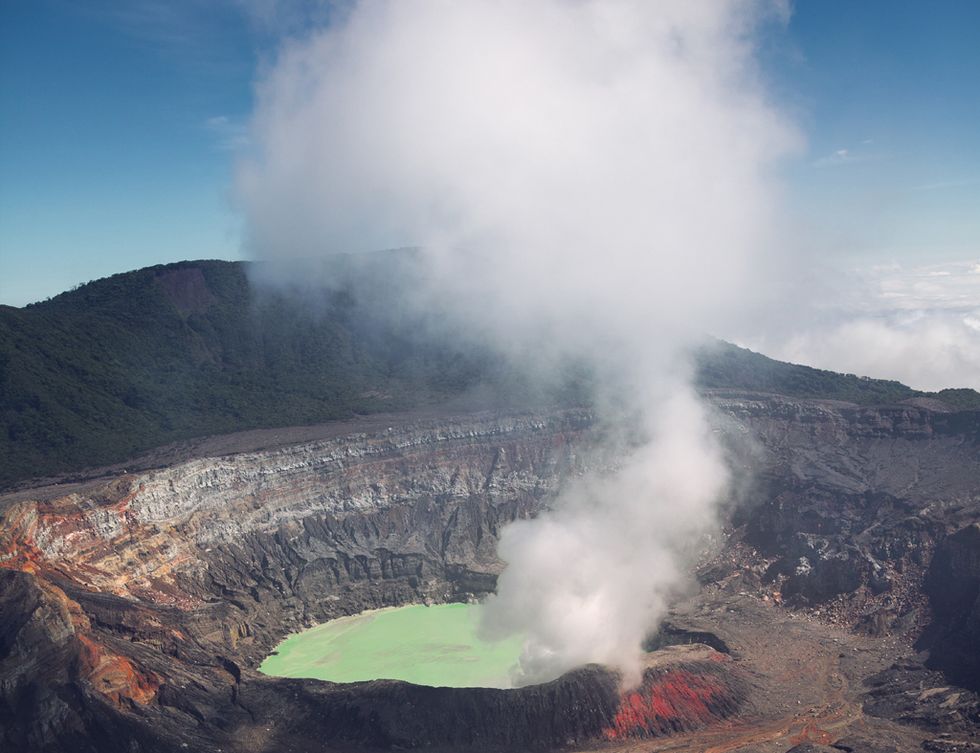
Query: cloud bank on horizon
[[588, 179], [918, 325]]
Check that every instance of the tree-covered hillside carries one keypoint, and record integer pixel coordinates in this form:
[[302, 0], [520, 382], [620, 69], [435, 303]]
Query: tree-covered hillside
[[140, 359], [723, 365], [127, 363]]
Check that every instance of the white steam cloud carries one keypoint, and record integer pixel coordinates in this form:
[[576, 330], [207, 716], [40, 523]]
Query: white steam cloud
[[591, 578], [588, 178]]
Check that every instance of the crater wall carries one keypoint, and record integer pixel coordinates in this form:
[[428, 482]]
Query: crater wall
[[136, 607]]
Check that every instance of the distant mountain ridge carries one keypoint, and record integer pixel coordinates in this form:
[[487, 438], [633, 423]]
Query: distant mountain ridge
[[130, 362], [725, 366]]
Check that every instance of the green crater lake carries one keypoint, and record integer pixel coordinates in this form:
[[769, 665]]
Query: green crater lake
[[425, 645]]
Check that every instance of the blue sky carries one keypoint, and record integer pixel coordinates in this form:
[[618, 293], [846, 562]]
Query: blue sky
[[119, 124], [113, 154], [888, 95]]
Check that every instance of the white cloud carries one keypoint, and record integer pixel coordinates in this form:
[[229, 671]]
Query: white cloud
[[846, 156], [930, 353], [229, 134], [918, 325], [587, 178]]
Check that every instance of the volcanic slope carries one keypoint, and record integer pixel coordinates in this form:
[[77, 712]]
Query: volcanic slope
[[123, 365], [135, 608]]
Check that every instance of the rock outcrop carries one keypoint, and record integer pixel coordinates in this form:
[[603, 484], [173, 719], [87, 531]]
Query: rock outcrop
[[953, 587]]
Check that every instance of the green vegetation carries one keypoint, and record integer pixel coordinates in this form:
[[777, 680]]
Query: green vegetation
[[723, 365], [959, 399], [425, 645], [121, 365], [137, 360]]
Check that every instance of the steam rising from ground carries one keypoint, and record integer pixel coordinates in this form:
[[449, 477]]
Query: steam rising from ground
[[589, 179], [592, 577]]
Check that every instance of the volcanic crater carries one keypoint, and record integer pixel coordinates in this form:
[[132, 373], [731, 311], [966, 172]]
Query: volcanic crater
[[137, 603]]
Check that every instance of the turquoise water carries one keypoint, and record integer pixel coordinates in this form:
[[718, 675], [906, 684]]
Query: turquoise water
[[425, 645]]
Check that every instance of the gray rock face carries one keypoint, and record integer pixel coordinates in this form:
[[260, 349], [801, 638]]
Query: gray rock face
[[844, 493], [953, 586]]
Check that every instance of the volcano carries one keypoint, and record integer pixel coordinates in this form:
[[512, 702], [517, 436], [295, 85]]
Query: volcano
[[138, 600], [137, 606]]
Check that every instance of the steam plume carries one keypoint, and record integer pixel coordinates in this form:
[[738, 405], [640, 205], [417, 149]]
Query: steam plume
[[588, 179]]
